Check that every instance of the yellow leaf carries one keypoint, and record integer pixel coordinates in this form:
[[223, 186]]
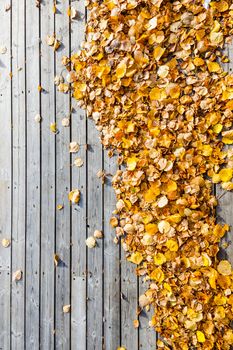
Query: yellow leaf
[[207, 150], [212, 278], [151, 229], [158, 53], [173, 90], [216, 178], [217, 128], [131, 163], [53, 127], [226, 174], [227, 95], [159, 259], [172, 245], [56, 259], [221, 6], [224, 268], [157, 94], [213, 67], [171, 186], [229, 105], [200, 337], [121, 70], [198, 61], [157, 275], [136, 258], [74, 196], [220, 299], [227, 141], [150, 196], [175, 218]]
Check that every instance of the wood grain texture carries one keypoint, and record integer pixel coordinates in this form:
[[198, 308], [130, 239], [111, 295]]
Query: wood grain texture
[[95, 256], [112, 297], [19, 173], [147, 335], [79, 213], [48, 209], [63, 227], [129, 303], [5, 180], [225, 208], [32, 271]]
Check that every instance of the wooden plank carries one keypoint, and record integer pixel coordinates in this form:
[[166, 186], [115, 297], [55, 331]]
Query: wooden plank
[[48, 210], [32, 273], [19, 172], [95, 256], [147, 335], [63, 247], [129, 303], [79, 214], [5, 179], [112, 297], [225, 208]]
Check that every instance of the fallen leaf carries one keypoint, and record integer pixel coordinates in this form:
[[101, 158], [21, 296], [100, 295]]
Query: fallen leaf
[[74, 196], [56, 259], [78, 162], [91, 242], [66, 309], [6, 242], [74, 147], [17, 275]]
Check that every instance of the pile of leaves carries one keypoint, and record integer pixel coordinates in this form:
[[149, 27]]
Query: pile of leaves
[[150, 75]]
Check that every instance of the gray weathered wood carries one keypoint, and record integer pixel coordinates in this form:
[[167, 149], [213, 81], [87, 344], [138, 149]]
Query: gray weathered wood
[[79, 213], [19, 173], [147, 335], [95, 256], [48, 209], [32, 272], [129, 303], [63, 227], [5, 179], [112, 297], [225, 208]]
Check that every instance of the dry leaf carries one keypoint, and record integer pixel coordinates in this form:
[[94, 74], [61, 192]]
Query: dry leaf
[[7, 7], [66, 308], [65, 122], [91, 242], [17, 275], [78, 162], [56, 259], [74, 196], [98, 234], [38, 118], [74, 147], [3, 50], [6, 242], [53, 127]]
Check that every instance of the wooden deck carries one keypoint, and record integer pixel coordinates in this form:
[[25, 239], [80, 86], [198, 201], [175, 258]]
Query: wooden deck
[[36, 174]]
